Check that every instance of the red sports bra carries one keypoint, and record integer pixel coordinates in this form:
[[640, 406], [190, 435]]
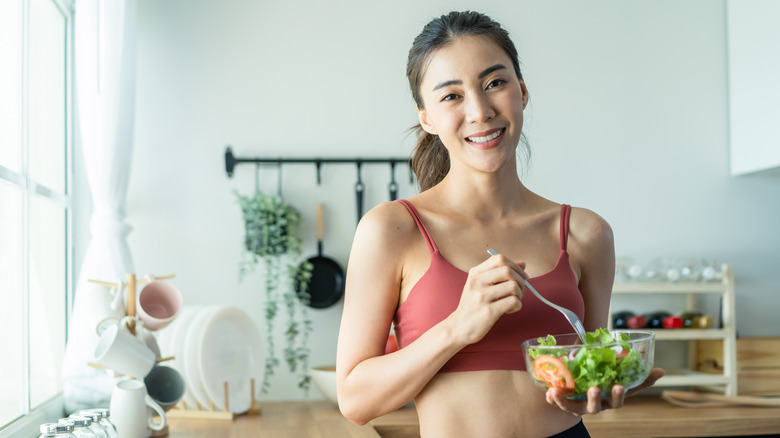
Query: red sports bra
[[437, 294]]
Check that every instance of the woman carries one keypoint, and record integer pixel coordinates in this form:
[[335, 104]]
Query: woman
[[459, 314]]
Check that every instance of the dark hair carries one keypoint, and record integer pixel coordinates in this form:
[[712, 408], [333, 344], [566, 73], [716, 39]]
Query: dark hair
[[430, 159]]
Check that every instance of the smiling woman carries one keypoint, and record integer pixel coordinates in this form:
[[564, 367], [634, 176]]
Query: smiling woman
[[459, 318]]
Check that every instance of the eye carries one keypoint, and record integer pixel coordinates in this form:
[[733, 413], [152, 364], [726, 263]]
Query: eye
[[496, 83], [451, 96]]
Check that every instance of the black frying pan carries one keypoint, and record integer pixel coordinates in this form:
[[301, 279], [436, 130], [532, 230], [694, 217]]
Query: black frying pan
[[326, 286]]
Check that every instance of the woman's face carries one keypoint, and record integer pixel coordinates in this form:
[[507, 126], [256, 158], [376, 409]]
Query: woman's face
[[474, 102]]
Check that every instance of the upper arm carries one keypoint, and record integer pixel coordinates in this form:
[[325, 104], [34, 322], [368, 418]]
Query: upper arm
[[373, 284], [592, 248]]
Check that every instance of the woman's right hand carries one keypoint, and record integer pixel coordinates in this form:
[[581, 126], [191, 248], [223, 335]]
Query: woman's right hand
[[493, 288]]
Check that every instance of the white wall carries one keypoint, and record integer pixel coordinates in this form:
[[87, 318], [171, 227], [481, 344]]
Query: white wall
[[628, 117]]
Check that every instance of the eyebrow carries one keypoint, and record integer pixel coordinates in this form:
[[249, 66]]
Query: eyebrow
[[481, 75]]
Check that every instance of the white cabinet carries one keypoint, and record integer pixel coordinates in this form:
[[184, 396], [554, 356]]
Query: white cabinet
[[725, 382], [754, 90]]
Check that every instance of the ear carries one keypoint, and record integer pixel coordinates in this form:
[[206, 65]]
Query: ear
[[423, 116], [525, 92]]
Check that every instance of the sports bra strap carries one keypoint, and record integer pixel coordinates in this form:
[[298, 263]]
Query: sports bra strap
[[426, 235], [565, 211]]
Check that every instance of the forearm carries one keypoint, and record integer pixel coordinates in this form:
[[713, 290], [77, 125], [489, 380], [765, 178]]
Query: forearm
[[382, 384]]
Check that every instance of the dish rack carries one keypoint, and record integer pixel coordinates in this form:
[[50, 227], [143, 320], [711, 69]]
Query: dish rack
[[181, 410], [725, 382]]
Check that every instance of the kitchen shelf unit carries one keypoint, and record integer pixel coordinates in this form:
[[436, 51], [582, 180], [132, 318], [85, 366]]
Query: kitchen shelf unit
[[725, 382]]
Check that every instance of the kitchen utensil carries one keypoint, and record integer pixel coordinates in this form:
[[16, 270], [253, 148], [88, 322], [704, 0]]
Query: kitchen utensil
[[231, 352], [359, 189], [392, 187], [130, 410], [326, 285], [690, 399], [570, 316]]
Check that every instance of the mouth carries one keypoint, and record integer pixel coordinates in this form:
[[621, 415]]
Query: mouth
[[487, 139]]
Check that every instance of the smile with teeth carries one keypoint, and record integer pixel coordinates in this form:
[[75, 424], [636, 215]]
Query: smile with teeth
[[486, 138]]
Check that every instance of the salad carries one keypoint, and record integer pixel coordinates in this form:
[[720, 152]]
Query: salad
[[606, 359]]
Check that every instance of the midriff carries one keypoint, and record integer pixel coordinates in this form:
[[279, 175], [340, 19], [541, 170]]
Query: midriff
[[490, 404]]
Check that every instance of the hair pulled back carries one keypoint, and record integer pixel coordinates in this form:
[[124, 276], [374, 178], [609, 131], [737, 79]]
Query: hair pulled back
[[430, 159]]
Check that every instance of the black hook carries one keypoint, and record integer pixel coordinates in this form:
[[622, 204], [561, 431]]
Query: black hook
[[230, 161], [393, 187], [318, 163], [359, 188]]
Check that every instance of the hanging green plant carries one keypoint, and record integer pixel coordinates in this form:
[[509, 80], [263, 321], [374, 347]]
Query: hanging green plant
[[272, 232]]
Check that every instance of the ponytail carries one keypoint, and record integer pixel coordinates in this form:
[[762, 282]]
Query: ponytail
[[430, 159]]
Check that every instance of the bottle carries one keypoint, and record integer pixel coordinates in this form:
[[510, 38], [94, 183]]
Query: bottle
[[104, 421], [637, 322], [655, 320], [672, 322], [95, 426], [80, 426], [690, 319], [56, 430], [620, 319]]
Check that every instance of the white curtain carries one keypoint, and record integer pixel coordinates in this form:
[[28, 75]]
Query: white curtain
[[105, 94]]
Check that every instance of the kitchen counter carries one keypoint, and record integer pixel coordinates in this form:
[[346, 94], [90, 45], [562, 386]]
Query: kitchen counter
[[640, 417]]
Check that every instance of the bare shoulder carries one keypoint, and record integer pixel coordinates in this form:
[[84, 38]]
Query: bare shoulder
[[386, 223], [589, 232], [388, 226]]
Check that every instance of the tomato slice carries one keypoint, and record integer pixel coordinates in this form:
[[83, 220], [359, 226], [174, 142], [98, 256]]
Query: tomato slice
[[551, 370]]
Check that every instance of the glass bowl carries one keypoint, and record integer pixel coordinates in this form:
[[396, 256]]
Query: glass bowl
[[620, 357]]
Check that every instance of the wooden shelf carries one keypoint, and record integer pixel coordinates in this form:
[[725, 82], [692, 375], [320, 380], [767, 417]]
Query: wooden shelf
[[725, 382], [689, 334], [668, 288]]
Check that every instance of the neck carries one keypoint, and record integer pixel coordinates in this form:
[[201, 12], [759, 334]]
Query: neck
[[484, 194]]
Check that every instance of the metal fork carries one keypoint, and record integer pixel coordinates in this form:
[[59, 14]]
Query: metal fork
[[570, 316]]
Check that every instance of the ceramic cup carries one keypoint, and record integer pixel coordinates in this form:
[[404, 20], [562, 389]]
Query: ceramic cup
[[124, 353], [158, 303], [165, 385], [141, 332], [130, 410]]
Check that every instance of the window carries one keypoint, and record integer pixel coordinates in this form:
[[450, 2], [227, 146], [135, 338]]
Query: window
[[35, 208]]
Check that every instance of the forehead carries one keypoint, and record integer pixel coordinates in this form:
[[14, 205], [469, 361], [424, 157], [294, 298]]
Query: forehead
[[462, 60]]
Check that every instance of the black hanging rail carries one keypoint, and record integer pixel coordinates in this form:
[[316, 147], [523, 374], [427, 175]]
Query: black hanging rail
[[231, 161]]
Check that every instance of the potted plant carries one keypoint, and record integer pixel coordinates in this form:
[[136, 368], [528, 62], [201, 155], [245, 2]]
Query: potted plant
[[272, 237]]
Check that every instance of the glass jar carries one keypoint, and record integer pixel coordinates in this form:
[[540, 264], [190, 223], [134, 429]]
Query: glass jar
[[56, 430], [80, 426], [95, 417], [105, 421]]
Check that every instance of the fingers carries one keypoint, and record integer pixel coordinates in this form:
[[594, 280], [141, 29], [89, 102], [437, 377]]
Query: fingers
[[594, 403]]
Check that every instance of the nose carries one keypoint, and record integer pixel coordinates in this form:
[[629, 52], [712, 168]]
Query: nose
[[479, 108]]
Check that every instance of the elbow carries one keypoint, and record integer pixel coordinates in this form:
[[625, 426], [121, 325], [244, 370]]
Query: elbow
[[353, 407], [353, 412]]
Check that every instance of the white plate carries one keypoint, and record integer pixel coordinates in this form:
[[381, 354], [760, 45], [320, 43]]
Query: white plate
[[177, 345], [191, 347], [231, 351]]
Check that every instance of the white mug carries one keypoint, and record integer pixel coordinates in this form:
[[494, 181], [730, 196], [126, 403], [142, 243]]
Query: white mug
[[158, 303], [130, 410], [124, 353], [141, 332]]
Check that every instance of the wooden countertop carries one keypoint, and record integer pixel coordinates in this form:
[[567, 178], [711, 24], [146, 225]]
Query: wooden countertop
[[640, 417]]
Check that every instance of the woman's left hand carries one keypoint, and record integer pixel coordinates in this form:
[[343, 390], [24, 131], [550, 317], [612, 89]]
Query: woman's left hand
[[595, 404]]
